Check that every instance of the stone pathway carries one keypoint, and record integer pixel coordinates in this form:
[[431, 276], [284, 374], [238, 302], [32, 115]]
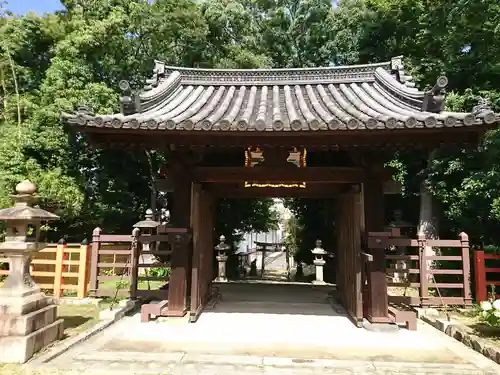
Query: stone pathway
[[268, 329]]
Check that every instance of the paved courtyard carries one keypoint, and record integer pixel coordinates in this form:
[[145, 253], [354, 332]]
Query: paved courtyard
[[269, 329]]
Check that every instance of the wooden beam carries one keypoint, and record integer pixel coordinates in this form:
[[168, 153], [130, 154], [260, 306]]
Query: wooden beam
[[330, 191], [276, 175], [420, 138]]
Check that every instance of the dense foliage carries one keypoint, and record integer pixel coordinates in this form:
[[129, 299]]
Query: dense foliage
[[57, 61], [462, 40]]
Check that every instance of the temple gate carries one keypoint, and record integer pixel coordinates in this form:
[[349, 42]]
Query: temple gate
[[312, 132]]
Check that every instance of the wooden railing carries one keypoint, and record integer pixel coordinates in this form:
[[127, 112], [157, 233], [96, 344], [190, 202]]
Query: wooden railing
[[481, 271], [60, 269], [424, 272], [113, 257]]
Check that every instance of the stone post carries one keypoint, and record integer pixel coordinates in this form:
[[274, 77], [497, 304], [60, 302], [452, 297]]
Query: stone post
[[221, 257], [319, 262], [427, 224], [28, 319]]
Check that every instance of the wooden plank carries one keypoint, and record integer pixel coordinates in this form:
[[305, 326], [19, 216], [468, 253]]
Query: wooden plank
[[446, 285], [444, 243], [329, 191], [114, 265], [115, 252], [116, 238], [70, 262], [58, 278], [267, 174], [490, 256], [444, 257], [42, 261], [43, 273], [82, 271], [437, 271], [70, 274]]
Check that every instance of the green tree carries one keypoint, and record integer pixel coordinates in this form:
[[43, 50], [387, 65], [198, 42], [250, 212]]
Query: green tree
[[56, 62]]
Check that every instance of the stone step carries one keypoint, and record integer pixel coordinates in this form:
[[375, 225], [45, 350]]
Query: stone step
[[182, 363]]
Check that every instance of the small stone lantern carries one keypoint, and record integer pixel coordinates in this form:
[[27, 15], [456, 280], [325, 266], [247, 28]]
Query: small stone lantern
[[319, 262], [147, 226], [28, 319], [221, 257]]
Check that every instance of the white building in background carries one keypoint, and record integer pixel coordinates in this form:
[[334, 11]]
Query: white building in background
[[247, 245]]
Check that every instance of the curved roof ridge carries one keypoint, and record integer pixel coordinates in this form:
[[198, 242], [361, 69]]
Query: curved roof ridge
[[271, 70], [356, 97]]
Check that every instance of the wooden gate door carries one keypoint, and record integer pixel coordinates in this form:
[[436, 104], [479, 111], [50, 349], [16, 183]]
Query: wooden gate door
[[349, 282], [201, 275]]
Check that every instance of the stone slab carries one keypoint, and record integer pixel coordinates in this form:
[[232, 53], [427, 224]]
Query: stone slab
[[138, 356], [25, 324], [19, 349]]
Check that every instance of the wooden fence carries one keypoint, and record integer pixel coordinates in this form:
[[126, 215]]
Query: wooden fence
[[439, 279], [60, 269], [481, 277], [111, 265]]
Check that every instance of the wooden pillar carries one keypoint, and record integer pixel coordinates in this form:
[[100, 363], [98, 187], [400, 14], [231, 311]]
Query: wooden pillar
[[197, 205], [373, 194], [180, 274]]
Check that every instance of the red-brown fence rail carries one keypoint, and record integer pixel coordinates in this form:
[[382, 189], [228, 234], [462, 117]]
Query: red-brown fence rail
[[483, 267], [439, 279]]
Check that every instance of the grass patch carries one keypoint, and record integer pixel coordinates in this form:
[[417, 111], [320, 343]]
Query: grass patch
[[143, 285], [78, 318]]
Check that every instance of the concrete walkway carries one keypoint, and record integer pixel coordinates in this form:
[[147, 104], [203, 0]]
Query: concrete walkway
[[270, 328]]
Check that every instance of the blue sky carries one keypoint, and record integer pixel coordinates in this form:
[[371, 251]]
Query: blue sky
[[39, 6]]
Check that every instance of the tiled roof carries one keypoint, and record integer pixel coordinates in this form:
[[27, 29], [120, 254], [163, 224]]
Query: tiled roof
[[372, 96]]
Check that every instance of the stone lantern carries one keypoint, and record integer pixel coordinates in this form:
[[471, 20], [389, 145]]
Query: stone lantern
[[28, 319], [221, 257], [148, 226], [319, 262]]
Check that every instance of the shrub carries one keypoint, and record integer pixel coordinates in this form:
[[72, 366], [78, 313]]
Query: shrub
[[490, 312]]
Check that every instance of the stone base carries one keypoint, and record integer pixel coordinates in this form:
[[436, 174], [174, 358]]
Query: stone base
[[318, 282], [19, 349], [221, 280], [380, 327], [21, 325], [22, 304]]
